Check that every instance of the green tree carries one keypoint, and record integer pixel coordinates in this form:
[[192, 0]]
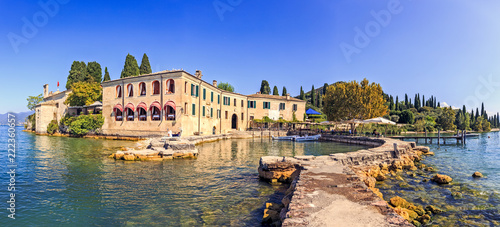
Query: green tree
[[284, 92], [313, 96], [84, 93], [106, 75], [407, 117], [325, 86], [226, 87], [478, 124], [264, 88], [130, 68], [145, 66], [446, 119], [33, 101], [77, 73], [486, 126], [350, 100], [95, 72], [320, 100], [275, 91], [302, 94]]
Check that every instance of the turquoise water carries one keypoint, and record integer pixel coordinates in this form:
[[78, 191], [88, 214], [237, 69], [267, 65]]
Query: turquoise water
[[478, 203], [72, 182]]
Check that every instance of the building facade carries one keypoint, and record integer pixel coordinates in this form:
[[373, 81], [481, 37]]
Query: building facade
[[51, 108], [153, 104]]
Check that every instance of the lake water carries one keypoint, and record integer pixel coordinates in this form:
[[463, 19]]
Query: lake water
[[71, 181], [478, 203]]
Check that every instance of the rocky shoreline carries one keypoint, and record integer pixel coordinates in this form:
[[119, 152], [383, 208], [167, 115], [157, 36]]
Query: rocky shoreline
[[340, 188]]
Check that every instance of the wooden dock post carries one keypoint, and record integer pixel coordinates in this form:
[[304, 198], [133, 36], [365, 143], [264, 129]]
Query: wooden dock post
[[439, 135], [463, 136], [426, 136]]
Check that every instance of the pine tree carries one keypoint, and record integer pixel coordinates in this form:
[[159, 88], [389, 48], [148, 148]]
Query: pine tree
[[264, 88], [95, 72], [284, 92], [130, 68], [77, 73], [313, 94], [275, 91], [106, 75], [145, 66], [302, 95]]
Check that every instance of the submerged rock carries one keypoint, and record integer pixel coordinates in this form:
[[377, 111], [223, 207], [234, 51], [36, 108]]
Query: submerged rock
[[442, 179], [433, 209], [477, 175], [399, 202]]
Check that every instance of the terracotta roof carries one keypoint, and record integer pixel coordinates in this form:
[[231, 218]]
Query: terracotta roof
[[274, 97]]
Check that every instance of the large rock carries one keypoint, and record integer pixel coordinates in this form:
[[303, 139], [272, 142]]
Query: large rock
[[399, 202], [477, 175], [442, 179], [180, 146]]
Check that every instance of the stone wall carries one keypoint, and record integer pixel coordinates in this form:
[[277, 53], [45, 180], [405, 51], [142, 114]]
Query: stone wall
[[338, 188]]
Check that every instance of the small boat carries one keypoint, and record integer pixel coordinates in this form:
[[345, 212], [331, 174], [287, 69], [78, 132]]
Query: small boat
[[307, 138], [285, 137]]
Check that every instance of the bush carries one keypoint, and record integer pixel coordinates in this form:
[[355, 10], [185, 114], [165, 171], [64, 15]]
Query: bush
[[85, 124], [52, 127]]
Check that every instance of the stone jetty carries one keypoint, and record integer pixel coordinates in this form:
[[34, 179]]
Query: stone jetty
[[339, 189], [159, 149]]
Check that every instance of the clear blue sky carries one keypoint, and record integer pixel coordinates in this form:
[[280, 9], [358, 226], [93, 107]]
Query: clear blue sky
[[440, 48]]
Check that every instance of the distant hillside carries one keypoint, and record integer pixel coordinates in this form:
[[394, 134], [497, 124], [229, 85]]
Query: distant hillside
[[20, 117]]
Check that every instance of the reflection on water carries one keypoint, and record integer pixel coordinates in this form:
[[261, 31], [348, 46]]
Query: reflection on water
[[71, 181]]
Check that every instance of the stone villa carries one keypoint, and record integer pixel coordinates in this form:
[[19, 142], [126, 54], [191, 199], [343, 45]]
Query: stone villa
[[175, 100], [153, 104]]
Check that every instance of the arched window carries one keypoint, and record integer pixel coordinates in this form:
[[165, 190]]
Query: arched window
[[156, 87], [155, 109], [142, 88], [142, 111], [170, 111], [129, 112], [118, 110], [170, 86], [118, 91], [130, 90]]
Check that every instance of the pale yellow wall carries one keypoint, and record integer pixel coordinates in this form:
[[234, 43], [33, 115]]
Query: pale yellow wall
[[52, 108], [185, 120], [287, 114]]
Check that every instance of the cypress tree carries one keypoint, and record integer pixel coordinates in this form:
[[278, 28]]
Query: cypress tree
[[477, 113], [264, 88], [397, 103], [275, 91], [320, 100], [464, 110], [284, 92], [130, 68], [439, 104], [325, 86], [77, 73], [406, 101], [498, 119], [95, 72], [423, 101], [145, 66], [302, 95], [391, 103], [482, 110], [313, 94], [106, 74], [415, 100]]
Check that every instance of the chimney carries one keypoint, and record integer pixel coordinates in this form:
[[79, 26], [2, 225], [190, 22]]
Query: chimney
[[214, 83], [198, 74], [258, 92], [288, 96], [45, 90]]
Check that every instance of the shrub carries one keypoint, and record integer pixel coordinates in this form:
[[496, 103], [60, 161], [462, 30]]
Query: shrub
[[52, 127], [85, 124]]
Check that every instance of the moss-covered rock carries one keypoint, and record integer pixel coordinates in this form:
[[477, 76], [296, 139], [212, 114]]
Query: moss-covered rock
[[397, 201], [380, 177], [433, 209], [425, 219]]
